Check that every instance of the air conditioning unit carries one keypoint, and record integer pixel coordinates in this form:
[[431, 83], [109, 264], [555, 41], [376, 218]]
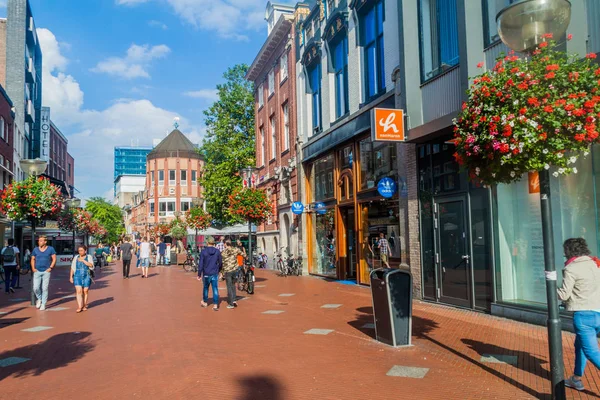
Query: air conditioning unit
[[171, 190]]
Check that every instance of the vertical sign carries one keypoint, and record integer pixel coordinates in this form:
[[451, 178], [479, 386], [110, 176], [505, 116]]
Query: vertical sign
[[45, 134], [534, 182]]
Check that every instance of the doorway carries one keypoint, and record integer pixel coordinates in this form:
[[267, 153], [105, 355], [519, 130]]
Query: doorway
[[452, 257], [349, 243]]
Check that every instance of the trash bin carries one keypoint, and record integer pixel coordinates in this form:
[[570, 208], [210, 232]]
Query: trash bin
[[392, 305], [173, 257]]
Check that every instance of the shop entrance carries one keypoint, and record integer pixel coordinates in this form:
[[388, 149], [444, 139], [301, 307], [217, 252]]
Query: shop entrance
[[349, 242], [452, 255]]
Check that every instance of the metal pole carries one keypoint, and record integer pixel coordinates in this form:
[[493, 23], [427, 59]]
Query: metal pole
[[32, 247], [250, 242], [74, 250], [554, 324]]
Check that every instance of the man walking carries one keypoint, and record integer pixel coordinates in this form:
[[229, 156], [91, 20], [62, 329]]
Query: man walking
[[230, 268], [221, 245], [384, 249], [162, 248], [126, 255], [208, 270], [43, 260], [145, 250], [10, 260]]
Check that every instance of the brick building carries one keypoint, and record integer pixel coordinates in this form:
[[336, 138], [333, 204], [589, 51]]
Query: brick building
[[272, 73], [60, 164], [6, 139]]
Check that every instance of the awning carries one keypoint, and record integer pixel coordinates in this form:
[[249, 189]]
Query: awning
[[238, 229]]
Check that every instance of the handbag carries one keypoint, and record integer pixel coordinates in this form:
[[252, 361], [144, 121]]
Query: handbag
[[109, 259], [91, 270]]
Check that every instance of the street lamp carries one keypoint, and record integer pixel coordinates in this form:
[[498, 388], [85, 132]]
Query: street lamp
[[520, 27], [248, 180], [73, 203], [197, 202], [34, 167]]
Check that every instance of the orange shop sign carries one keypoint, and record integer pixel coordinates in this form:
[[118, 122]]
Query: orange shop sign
[[387, 125]]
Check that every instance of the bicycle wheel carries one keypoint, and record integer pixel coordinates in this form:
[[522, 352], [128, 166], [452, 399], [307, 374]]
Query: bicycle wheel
[[188, 267], [240, 282]]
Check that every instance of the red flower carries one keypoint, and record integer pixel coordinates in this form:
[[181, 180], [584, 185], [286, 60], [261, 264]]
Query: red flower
[[507, 131], [549, 75], [552, 67], [589, 104], [480, 65], [523, 86], [547, 36], [569, 36], [593, 135], [591, 56], [543, 136], [514, 70], [580, 137], [533, 101], [579, 112], [543, 44], [523, 111], [504, 148], [548, 109], [569, 107]]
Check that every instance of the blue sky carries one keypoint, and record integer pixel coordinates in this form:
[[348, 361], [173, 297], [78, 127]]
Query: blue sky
[[121, 70]]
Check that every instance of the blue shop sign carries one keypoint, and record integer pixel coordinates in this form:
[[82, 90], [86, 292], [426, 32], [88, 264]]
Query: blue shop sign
[[320, 208], [297, 207], [387, 187]]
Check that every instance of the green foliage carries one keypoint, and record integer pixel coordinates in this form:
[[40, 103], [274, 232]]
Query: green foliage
[[229, 143], [178, 229], [109, 217]]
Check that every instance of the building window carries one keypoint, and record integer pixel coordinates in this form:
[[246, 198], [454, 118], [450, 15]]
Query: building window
[[162, 209], [151, 176], [377, 160], [170, 207], [263, 149], [261, 95], [286, 127], [340, 66], [194, 178], [273, 138], [185, 206], [2, 129], [372, 38], [283, 67], [183, 177], [172, 177], [70, 173], [271, 82], [151, 209], [439, 36], [314, 75], [161, 177], [491, 8], [321, 179]]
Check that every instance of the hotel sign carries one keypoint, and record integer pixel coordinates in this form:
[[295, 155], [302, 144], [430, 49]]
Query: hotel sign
[[387, 125], [45, 134]]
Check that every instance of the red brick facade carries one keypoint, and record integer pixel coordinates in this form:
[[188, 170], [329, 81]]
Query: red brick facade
[[6, 139]]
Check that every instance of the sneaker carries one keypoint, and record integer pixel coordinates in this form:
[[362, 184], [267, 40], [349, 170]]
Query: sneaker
[[38, 304], [215, 308], [574, 383], [43, 307], [235, 304], [203, 304], [230, 306]]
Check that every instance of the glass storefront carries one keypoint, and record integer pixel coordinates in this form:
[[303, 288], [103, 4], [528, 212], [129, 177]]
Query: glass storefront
[[322, 178], [377, 160], [520, 250], [324, 253]]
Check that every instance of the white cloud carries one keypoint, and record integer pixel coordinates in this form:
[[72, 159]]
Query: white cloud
[[98, 131], [158, 24], [130, 2], [135, 62], [205, 94]]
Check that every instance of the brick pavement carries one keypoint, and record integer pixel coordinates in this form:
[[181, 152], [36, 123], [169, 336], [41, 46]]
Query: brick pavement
[[149, 339]]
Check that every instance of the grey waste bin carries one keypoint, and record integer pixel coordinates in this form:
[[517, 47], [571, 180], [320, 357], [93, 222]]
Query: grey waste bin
[[392, 305], [173, 257]]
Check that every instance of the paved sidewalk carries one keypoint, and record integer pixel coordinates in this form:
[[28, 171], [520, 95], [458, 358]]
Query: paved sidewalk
[[149, 339]]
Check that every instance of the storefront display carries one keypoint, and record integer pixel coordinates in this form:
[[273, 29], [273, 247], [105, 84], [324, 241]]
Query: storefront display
[[324, 254]]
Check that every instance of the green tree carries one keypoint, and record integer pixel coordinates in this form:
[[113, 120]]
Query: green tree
[[108, 215], [229, 143]]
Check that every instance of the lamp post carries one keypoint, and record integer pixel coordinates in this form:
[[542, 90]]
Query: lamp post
[[197, 202], [73, 203], [34, 167], [248, 181], [520, 27]]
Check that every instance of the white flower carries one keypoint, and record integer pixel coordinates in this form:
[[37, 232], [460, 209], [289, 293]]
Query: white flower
[[512, 123], [579, 127], [586, 153], [545, 151], [546, 167], [512, 174], [493, 174], [504, 117], [561, 171], [555, 174], [559, 155], [574, 170], [573, 159], [516, 102]]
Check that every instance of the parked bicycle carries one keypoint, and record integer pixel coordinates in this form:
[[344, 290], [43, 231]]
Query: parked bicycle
[[190, 264], [246, 278]]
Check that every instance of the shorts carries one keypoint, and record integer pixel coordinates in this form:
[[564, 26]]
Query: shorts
[[145, 262], [384, 258], [83, 281]]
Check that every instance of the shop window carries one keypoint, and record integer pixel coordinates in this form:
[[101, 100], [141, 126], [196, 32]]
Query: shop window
[[437, 163], [314, 74], [322, 178], [377, 160], [324, 254], [439, 36], [340, 66], [491, 8], [371, 24]]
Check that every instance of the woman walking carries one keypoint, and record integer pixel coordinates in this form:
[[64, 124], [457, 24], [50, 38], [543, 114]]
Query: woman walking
[[581, 292], [81, 277]]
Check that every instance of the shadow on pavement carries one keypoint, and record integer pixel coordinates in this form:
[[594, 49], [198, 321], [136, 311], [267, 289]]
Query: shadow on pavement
[[11, 321], [100, 302], [260, 387], [366, 317], [422, 327], [12, 312], [152, 275], [45, 356]]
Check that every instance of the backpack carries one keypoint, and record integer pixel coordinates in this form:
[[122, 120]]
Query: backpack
[[8, 255]]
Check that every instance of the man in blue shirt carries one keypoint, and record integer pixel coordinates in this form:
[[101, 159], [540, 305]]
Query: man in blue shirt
[[43, 260], [162, 248]]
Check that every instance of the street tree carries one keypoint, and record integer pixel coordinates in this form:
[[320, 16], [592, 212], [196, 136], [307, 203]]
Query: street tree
[[109, 217], [229, 143]]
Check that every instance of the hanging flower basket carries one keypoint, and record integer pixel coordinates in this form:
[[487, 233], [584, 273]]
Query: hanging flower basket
[[529, 115], [31, 199], [197, 218], [178, 229], [250, 204]]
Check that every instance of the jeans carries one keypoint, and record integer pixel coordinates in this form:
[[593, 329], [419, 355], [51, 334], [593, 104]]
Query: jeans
[[41, 281], [211, 280], [230, 282], [10, 276], [587, 326], [126, 266], [161, 259], [99, 261]]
